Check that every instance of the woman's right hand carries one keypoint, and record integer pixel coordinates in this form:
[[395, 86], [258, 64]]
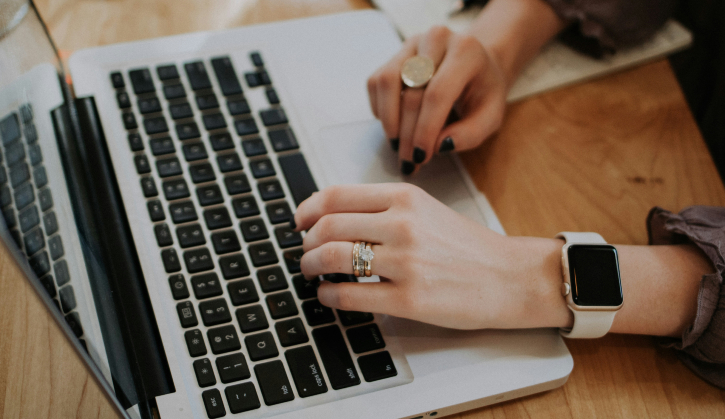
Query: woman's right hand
[[468, 80]]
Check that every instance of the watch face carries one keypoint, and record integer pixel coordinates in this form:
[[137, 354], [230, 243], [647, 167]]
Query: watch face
[[594, 275]]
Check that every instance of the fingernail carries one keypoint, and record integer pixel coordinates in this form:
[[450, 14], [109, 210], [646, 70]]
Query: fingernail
[[447, 145], [394, 144], [292, 223], [407, 167], [418, 155]]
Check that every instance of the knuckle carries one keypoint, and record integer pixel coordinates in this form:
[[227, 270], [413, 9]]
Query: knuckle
[[388, 79], [326, 229], [329, 257], [439, 33], [345, 298]]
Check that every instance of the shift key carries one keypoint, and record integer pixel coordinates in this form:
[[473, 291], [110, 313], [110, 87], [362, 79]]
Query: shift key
[[336, 357]]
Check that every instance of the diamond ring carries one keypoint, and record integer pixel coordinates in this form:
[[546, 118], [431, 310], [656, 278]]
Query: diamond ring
[[362, 256]]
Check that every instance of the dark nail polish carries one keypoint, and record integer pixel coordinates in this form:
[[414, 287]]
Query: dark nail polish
[[447, 145], [394, 144], [407, 167], [292, 223], [418, 155]]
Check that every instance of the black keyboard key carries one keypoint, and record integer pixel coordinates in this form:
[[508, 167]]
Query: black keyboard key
[[156, 210], [305, 289], [50, 222], [225, 242], [213, 403], [263, 254], [204, 373], [298, 176], [229, 162], [67, 298], [351, 318], [198, 77], [14, 153], [19, 173], [261, 346], [168, 167], [198, 260], [24, 196], [270, 189], [223, 339], [181, 111], [281, 305], [291, 332], [272, 279], [254, 230], [237, 184], [134, 141], [40, 264], [226, 76], [174, 91], [202, 173], [262, 168], [178, 287], [254, 147], [35, 156], [141, 81], [155, 125], [10, 128], [264, 78], [336, 357], [171, 260], [34, 241], [246, 126], [273, 383], [233, 266], [45, 199], [167, 72], [305, 371], [28, 218], [149, 105], [142, 164], [117, 80], [6, 197], [74, 322], [3, 176], [279, 212], [214, 312], [292, 259], [48, 285], [129, 120], [190, 235], [377, 366], [206, 286], [232, 368], [163, 235], [272, 96], [31, 135], [187, 315], [209, 195], [123, 100], [243, 292], [221, 141], [287, 238], [182, 212], [251, 319], [195, 151], [238, 107], [242, 398], [195, 343], [161, 146], [245, 206], [41, 178], [62, 276], [11, 221], [253, 79], [274, 116], [187, 131], [256, 58], [148, 187], [175, 189], [217, 218], [205, 102], [365, 338], [317, 314], [338, 278], [214, 121], [55, 247]]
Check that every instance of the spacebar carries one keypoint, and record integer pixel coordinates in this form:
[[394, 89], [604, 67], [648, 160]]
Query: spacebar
[[299, 178]]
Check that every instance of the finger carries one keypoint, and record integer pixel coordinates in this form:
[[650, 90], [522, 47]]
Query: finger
[[410, 106], [373, 92], [336, 257], [375, 297], [389, 86], [348, 227], [472, 129], [343, 198]]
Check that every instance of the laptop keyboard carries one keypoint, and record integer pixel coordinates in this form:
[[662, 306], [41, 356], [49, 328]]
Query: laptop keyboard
[[220, 198], [29, 213]]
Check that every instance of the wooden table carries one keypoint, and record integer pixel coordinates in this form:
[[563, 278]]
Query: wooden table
[[593, 157]]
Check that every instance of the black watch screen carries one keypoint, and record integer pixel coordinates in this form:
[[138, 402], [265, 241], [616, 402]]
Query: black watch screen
[[594, 275]]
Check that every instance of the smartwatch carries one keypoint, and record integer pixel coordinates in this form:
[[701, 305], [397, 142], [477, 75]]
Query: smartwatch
[[592, 285]]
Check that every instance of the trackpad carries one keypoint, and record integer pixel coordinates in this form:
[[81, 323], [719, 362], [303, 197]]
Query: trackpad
[[359, 153]]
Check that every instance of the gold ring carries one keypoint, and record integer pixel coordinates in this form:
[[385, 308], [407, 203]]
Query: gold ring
[[355, 258], [417, 71], [367, 256]]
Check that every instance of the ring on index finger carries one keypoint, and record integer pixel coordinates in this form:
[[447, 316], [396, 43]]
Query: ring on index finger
[[417, 71]]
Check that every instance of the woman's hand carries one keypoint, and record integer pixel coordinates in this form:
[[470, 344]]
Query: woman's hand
[[435, 265], [468, 80]]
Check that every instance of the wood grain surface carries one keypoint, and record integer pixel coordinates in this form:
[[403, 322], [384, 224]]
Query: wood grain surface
[[593, 157]]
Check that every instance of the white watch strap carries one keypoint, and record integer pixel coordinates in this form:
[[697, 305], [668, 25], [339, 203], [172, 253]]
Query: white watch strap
[[587, 324]]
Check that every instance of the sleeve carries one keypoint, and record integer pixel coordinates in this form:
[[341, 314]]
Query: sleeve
[[603, 26], [702, 346]]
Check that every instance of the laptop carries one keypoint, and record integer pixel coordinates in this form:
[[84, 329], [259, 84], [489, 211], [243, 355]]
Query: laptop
[[148, 203]]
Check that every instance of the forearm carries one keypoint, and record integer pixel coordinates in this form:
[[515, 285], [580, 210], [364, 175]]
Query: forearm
[[514, 31]]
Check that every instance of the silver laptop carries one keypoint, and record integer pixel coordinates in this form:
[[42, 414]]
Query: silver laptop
[[148, 204]]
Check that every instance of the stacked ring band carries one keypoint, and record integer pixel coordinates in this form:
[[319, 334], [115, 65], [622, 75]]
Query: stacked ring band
[[362, 257]]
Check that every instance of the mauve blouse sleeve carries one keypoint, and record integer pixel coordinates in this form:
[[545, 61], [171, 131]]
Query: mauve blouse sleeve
[[702, 346], [611, 24]]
